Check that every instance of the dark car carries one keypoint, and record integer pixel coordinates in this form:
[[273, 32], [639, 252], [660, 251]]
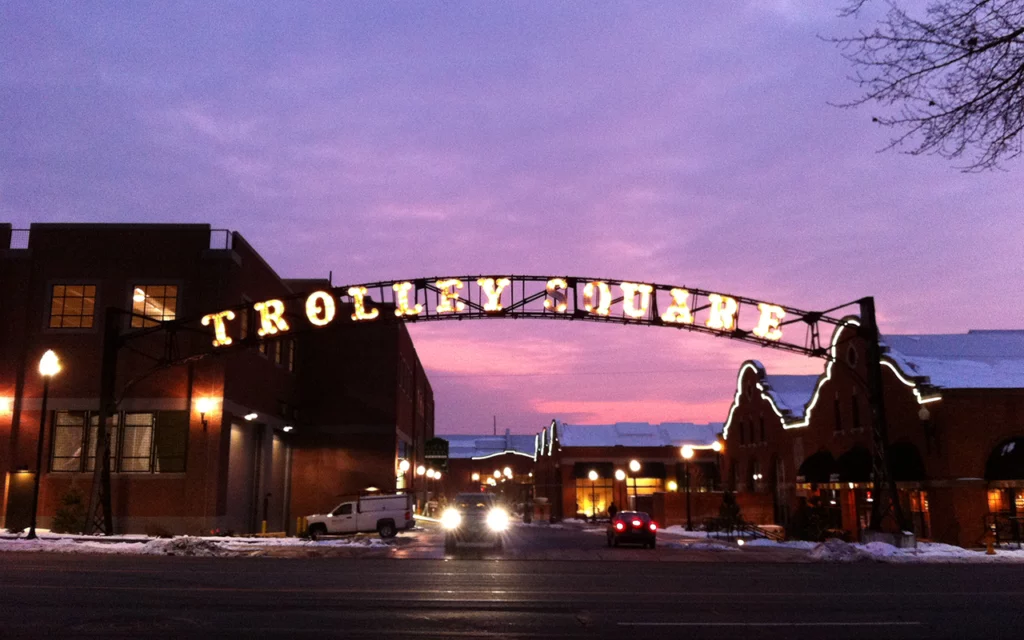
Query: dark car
[[474, 518], [632, 527]]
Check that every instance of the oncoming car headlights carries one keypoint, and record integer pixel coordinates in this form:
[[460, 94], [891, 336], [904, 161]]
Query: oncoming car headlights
[[450, 519], [497, 519]]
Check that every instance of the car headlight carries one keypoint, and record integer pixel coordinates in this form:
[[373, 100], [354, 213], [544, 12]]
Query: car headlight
[[497, 519], [450, 519]]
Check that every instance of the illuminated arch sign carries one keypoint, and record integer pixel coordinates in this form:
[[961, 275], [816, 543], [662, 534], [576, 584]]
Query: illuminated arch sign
[[549, 297]]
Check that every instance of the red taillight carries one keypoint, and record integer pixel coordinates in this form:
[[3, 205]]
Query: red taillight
[[637, 523], [654, 527], [408, 515], [619, 526]]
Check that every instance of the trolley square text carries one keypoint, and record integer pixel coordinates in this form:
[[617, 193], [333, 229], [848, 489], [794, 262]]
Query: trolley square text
[[495, 296]]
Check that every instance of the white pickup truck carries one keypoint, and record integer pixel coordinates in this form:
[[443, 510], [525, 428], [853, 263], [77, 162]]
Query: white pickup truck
[[385, 514]]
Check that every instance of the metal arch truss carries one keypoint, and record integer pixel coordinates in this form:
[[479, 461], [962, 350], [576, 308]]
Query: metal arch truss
[[530, 297], [478, 297]]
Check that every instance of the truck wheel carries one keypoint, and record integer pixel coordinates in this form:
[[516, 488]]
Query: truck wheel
[[387, 530], [316, 530]]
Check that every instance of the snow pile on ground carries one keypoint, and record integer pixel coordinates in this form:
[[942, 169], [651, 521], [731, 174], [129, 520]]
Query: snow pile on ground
[[180, 545], [697, 546], [926, 552], [787, 544], [835, 550]]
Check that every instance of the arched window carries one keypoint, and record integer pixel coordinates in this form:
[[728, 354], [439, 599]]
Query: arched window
[[763, 438]]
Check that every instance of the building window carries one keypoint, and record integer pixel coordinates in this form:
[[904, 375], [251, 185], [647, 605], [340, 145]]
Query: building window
[[68, 431], [72, 306], [838, 410], [156, 302], [139, 442], [278, 352], [291, 356], [263, 348], [243, 319]]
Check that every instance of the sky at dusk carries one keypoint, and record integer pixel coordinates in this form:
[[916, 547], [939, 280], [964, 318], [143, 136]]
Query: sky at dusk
[[688, 143]]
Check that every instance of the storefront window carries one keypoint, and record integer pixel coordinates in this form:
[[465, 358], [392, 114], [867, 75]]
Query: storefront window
[[591, 500], [996, 503]]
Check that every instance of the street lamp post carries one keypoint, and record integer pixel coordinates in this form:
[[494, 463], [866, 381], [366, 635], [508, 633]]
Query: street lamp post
[[593, 494], [620, 475], [634, 468], [687, 455], [49, 366]]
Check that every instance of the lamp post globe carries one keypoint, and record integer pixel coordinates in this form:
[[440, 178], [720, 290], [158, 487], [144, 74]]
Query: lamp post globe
[[593, 494], [420, 470], [403, 466], [620, 475], [49, 366], [687, 452]]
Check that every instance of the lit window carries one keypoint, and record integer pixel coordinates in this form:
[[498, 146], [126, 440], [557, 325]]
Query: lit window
[[139, 442], [278, 355], [72, 306], [291, 356], [155, 302]]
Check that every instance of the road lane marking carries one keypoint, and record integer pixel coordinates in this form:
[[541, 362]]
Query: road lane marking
[[883, 623], [504, 592]]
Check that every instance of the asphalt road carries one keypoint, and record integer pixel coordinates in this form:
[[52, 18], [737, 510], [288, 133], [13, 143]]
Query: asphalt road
[[72, 596]]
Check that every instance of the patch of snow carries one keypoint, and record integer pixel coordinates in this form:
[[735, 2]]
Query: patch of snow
[[786, 544], [699, 546], [180, 545], [637, 434], [926, 552]]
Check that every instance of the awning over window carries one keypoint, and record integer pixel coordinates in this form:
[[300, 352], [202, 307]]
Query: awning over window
[[818, 468], [905, 463], [605, 470], [855, 465], [1007, 461]]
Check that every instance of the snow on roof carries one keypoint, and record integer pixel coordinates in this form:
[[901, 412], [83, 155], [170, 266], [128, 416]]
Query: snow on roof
[[972, 360], [637, 434], [477, 446], [790, 393]]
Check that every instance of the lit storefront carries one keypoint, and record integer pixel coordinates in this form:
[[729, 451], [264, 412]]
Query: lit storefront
[[584, 469], [948, 398]]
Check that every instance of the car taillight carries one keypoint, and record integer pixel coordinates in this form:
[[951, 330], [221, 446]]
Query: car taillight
[[637, 523], [654, 527], [408, 515], [619, 526]]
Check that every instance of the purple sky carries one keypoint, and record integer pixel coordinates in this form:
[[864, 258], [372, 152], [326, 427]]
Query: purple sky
[[679, 143]]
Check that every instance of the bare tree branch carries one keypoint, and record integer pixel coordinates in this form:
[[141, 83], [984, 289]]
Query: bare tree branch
[[952, 81]]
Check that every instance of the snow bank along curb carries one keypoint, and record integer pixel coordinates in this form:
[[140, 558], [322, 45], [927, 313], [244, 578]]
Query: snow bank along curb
[[926, 552], [181, 545]]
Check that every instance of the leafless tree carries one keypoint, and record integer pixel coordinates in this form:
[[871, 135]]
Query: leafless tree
[[953, 76]]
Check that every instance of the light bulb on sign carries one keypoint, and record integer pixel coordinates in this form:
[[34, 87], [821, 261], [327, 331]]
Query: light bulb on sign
[[557, 299], [320, 308], [449, 291], [630, 291], [402, 307], [597, 298], [770, 323], [492, 289], [679, 311], [723, 312], [271, 317], [358, 295]]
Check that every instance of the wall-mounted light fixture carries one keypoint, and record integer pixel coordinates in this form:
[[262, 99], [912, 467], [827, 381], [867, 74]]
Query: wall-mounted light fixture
[[205, 406], [287, 428], [251, 416]]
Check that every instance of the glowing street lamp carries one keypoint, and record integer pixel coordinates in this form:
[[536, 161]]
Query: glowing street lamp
[[687, 452], [497, 473], [420, 470], [508, 472], [476, 477], [49, 366], [403, 466], [620, 475]]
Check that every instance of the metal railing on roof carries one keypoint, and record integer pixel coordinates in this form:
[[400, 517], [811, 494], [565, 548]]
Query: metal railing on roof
[[19, 239], [220, 238]]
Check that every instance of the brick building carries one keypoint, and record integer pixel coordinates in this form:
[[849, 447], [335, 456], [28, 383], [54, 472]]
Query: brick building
[[955, 411], [501, 464], [568, 453], [203, 445]]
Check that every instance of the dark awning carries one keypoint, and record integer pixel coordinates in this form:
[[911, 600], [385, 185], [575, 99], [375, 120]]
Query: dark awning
[[1007, 461], [855, 465], [818, 468], [905, 463], [605, 470]]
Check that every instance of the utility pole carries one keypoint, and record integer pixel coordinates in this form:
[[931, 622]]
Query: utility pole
[[99, 515], [884, 487]]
